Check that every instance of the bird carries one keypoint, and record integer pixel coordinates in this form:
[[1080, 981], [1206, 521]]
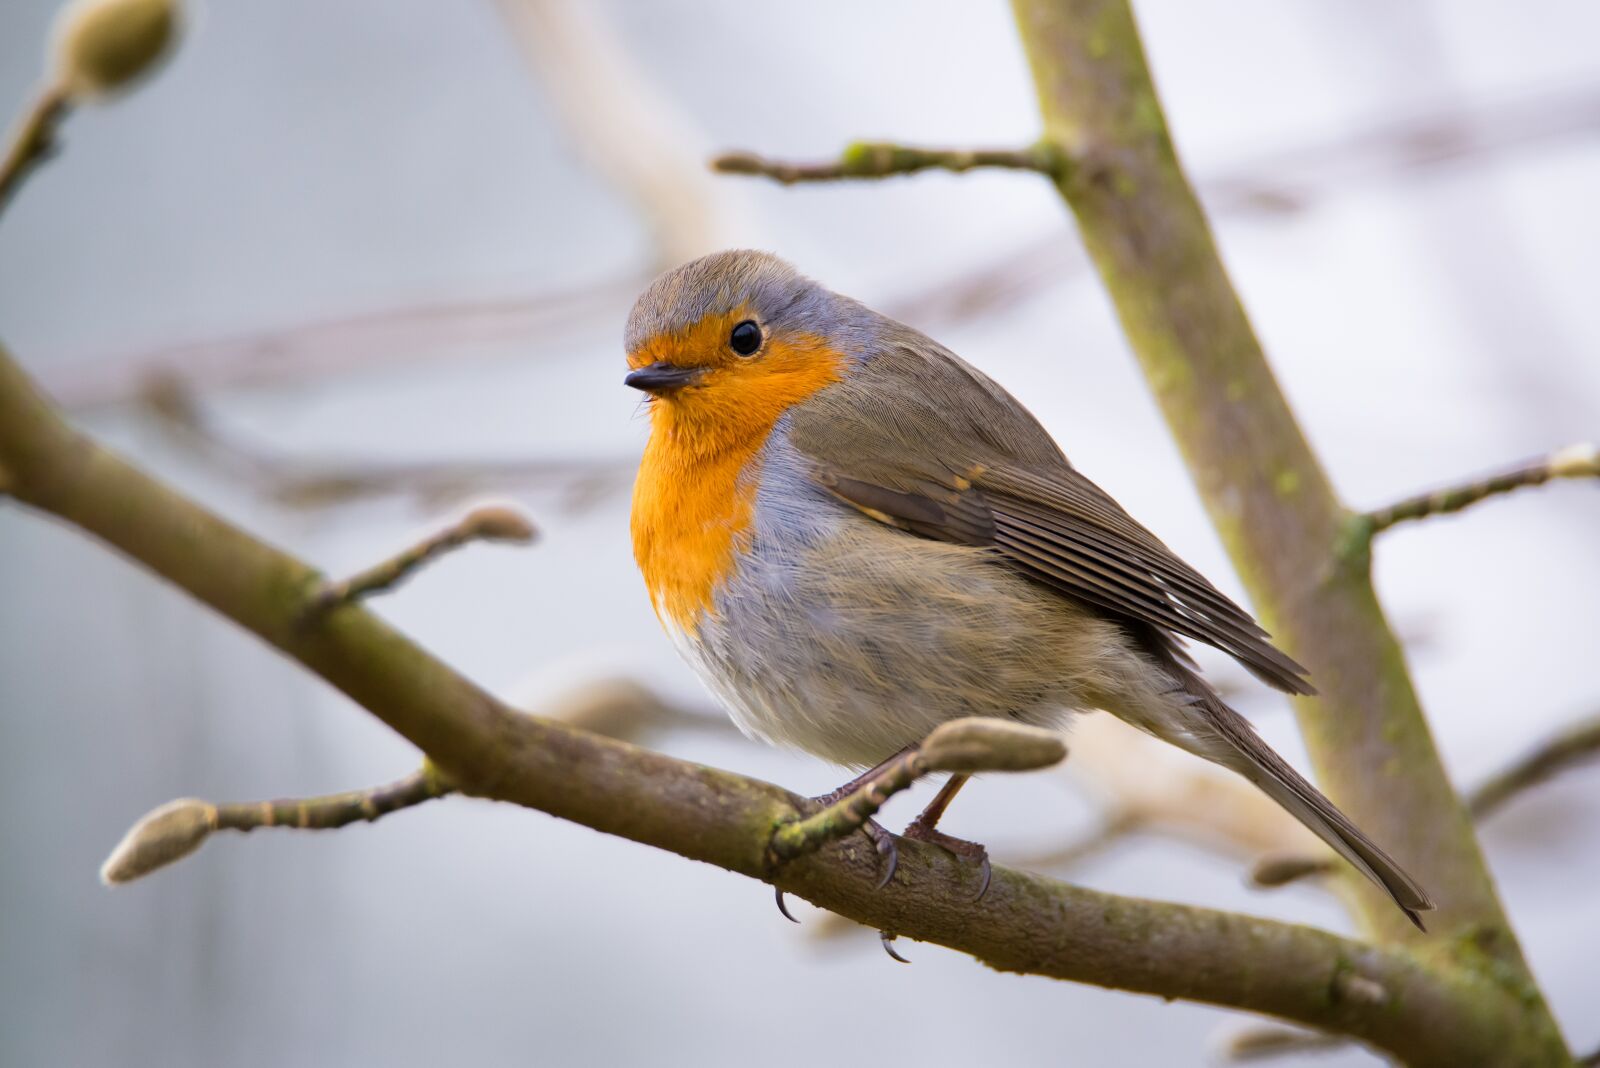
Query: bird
[[853, 536]]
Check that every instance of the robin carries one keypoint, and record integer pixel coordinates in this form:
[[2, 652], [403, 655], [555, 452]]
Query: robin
[[854, 536]]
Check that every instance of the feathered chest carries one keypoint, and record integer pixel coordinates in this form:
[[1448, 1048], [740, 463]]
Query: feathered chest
[[692, 517]]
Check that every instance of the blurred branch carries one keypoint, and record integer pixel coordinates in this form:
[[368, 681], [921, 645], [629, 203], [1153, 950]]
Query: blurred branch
[[1574, 461], [1259, 1043], [308, 484], [485, 523], [1289, 181], [623, 126], [876, 159], [346, 345], [33, 139], [1576, 745], [394, 337]]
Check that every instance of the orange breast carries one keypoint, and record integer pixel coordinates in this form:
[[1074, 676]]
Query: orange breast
[[695, 495]]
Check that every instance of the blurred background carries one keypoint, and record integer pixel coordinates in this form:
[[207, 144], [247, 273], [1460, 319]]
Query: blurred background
[[342, 268]]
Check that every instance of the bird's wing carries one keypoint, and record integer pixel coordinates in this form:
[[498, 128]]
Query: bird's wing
[[919, 440]]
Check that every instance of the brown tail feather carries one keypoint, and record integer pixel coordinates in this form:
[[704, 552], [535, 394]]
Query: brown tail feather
[[1257, 762]]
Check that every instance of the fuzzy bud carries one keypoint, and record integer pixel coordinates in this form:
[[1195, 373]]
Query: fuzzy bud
[[1283, 869], [166, 834], [1576, 461], [982, 743], [103, 46], [500, 522]]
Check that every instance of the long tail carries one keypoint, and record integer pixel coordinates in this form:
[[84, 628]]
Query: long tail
[[1255, 760], [1219, 734]]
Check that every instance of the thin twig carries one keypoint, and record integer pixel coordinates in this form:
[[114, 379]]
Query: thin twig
[[965, 746], [1577, 744], [33, 140], [1113, 829], [849, 813], [332, 811], [625, 125], [178, 828], [486, 523], [1574, 461], [871, 159], [577, 482]]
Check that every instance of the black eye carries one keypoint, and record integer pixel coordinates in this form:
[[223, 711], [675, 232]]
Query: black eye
[[746, 338]]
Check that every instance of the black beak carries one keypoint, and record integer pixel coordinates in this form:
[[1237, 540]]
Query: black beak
[[661, 377]]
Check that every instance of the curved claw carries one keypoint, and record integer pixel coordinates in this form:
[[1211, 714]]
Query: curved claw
[[987, 873], [783, 906], [887, 941], [890, 854]]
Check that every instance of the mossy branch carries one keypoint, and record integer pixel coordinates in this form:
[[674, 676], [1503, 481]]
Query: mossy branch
[[1027, 923], [1264, 488], [870, 159]]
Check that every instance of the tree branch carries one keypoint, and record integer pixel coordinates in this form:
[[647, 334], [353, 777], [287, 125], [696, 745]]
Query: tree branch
[[577, 482], [1027, 923], [1575, 745], [1265, 490], [1266, 493], [869, 159], [487, 523], [178, 828], [34, 138], [1574, 461]]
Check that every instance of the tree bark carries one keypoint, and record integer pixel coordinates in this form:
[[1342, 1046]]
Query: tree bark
[[1271, 502]]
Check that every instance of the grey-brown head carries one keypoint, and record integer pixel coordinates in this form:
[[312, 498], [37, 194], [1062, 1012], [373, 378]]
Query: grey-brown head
[[711, 317]]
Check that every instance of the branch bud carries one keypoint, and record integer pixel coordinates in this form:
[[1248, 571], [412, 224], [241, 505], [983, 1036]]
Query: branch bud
[[166, 834], [982, 743], [1576, 461], [103, 46], [501, 522]]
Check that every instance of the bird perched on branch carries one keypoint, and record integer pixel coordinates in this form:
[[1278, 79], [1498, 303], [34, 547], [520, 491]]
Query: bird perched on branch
[[854, 536]]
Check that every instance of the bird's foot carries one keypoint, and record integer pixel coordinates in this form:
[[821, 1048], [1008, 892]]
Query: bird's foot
[[881, 840], [973, 852]]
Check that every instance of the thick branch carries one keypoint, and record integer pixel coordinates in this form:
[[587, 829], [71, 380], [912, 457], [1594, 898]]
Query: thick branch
[[1266, 492], [867, 159], [1026, 923], [1575, 461]]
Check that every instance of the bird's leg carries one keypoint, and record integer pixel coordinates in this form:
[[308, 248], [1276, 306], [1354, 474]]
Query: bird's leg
[[881, 839], [923, 829]]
